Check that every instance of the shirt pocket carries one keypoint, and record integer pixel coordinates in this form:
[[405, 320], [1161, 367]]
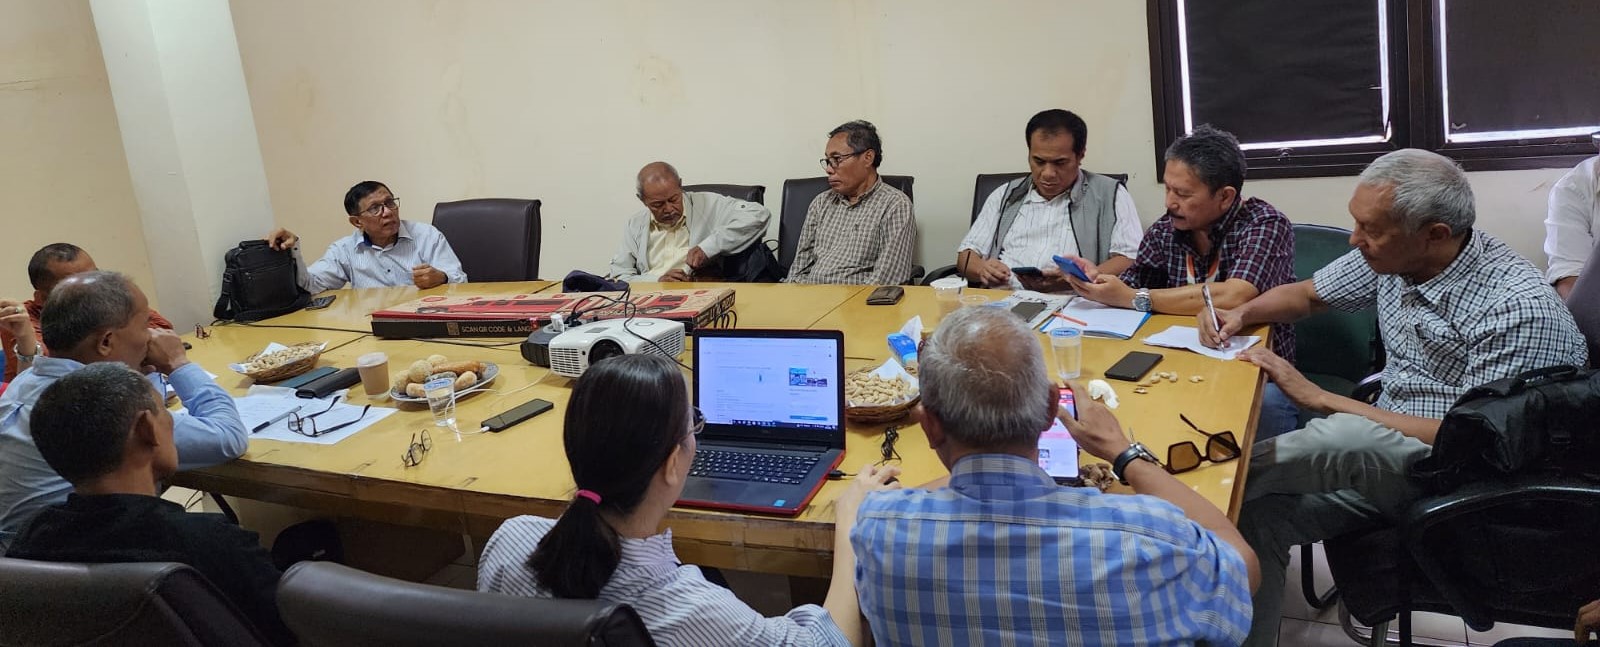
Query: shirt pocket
[[1442, 351]]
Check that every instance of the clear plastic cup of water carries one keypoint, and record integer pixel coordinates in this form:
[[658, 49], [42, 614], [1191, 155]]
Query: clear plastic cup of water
[[1066, 343], [441, 391]]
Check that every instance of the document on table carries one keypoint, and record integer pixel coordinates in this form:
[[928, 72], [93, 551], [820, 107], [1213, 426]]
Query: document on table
[[1188, 338], [1098, 320], [259, 408], [1051, 303]]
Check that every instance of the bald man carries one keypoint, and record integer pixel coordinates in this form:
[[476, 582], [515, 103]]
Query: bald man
[[680, 235]]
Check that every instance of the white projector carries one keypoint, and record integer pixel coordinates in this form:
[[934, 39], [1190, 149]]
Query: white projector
[[572, 352]]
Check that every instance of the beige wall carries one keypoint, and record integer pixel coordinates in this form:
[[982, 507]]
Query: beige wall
[[63, 176], [563, 101]]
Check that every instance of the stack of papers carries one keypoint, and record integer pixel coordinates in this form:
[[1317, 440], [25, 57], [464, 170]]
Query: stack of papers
[[1097, 319], [1188, 338], [269, 407]]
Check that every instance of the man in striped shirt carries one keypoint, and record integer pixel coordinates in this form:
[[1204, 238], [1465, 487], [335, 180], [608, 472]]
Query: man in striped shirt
[[1005, 556]]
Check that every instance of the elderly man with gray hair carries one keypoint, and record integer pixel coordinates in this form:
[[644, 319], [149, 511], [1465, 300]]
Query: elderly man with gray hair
[[103, 317], [1456, 308], [1004, 555], [680, 235]]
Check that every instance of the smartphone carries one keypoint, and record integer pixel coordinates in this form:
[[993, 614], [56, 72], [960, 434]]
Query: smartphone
[[321, 302], [1028, 271], [1058, 452], [1070, 268], [523, 412], [1027, 310], [1133, 366]]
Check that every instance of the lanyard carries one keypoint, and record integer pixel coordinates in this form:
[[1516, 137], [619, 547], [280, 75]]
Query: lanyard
[[1211, 274]]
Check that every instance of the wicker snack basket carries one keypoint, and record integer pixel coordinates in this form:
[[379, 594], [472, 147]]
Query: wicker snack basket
[[298, 359], [879, 413]]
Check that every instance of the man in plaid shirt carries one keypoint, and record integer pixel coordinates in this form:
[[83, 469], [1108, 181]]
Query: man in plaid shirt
[[1005, 556], [1456, 308], [861, 230]]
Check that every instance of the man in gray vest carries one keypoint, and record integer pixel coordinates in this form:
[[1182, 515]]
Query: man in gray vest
[[1059, 209]]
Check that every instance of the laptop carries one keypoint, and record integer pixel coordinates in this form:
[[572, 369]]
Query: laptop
[[773, 402]]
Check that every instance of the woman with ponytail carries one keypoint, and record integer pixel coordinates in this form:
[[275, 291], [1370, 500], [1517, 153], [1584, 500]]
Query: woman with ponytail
[[629, 437]]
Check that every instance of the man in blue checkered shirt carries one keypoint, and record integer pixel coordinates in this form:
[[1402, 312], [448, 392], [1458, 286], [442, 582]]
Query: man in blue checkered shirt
[[1456, 308], [1004, 556]]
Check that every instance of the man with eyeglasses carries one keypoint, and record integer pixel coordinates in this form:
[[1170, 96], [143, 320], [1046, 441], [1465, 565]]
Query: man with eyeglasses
[[1002, 554], [385, 251], [681, 235], [861, 230], [103, 317]]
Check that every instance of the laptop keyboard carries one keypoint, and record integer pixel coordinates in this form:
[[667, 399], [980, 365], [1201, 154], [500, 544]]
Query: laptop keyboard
[[748, 466]]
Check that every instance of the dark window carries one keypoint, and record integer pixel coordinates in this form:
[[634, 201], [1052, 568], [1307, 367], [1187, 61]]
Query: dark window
[[1321, 87]]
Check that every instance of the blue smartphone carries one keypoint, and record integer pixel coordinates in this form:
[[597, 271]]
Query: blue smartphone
[[1070, 268]]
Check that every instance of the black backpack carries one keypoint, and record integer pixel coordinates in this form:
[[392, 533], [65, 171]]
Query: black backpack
[[259, 282], [753, 264], [1544, 421]]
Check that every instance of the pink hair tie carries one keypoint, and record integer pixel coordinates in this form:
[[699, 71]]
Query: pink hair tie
[[586, 494]]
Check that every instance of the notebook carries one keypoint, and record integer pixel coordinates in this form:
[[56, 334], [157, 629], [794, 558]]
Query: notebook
[[1097, 319]]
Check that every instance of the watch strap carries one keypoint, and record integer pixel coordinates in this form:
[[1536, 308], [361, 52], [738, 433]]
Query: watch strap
[[1134, 452]]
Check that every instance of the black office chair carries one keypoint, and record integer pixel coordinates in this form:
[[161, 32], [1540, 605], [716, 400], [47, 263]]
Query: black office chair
[[154, 604], [1517, 550], [986, 185], [747, 192], [497, 239], [797, 197], [326, 604]]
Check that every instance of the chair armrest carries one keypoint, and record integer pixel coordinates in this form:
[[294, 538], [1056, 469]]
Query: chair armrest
[[938, 273], [917, 272], [1368, 389]]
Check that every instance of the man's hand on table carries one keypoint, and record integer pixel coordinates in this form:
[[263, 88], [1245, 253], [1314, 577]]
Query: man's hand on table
[[1293, 383], [425, 276]]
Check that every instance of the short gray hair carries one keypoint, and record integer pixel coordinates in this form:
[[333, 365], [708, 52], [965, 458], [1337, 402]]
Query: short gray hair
[[983, 376], [85, 304], [652, 171], [1424, 188]]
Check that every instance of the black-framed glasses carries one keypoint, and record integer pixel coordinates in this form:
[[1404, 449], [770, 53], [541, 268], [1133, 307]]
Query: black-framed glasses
[[697, 423], [377, 207], [890, 436], [1221, 447], [832, 162], [420, 445], [299, 424]]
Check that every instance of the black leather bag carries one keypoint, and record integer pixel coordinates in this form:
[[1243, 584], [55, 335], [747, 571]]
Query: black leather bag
[[1542, 421], [258, 282], [753, 264]]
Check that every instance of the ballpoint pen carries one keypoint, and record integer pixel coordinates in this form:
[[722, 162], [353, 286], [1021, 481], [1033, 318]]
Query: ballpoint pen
[[1205, 292], [276, 420]]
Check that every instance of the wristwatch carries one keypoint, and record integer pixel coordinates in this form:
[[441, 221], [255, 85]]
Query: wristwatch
[[24, 359], [1134, 452], [1141, 300]]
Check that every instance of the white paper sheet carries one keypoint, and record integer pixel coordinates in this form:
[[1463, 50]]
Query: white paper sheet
[[1188, 338], [271, 403]]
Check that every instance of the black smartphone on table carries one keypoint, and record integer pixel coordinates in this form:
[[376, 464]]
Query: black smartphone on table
[[321, 302], [1133, 366], [1028, 271], [523, 412]]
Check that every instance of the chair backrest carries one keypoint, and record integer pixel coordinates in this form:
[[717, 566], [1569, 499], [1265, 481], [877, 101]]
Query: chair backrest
[[747, 192], [497, 239], [1519, 551], [60, 603], [988, 182], [797, 197], [1341, 344], [329, 604], [1584, 302]]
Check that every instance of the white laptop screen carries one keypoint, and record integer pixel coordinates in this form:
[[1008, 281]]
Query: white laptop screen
[[773, 381]]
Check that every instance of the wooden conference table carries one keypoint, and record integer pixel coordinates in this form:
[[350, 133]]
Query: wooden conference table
[[470, 483]]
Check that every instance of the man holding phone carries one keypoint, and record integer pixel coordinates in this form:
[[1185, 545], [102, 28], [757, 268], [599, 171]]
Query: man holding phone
[[1178, 571], [1058, 208]]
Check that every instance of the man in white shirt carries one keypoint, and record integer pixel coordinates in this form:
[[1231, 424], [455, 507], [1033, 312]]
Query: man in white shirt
[[1572, 223], [681, 234], [384, 251], [1059, 209]]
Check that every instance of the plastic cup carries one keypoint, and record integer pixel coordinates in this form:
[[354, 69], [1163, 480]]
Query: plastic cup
[[947, 291], [441, 391], [1066, 343], [970, 300], [374, 370]]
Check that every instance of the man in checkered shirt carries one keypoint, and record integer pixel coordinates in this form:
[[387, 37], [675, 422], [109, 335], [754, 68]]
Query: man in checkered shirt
[[1456, 308], [861, 230]]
